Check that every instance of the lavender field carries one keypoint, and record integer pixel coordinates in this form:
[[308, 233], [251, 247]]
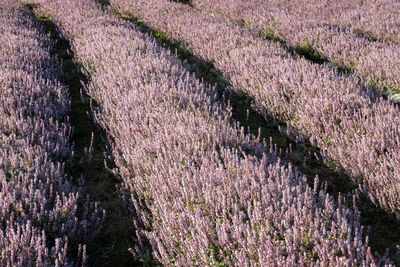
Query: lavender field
[[199, 133]]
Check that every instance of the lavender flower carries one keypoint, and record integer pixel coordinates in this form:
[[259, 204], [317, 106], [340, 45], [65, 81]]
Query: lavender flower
[[203, 192], [38, 207], [356, 130]]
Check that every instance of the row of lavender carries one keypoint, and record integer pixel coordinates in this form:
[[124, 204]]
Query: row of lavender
[[376, 63], [374, 19], [39, 219], [356, 130], [205, 193], [377, 20]]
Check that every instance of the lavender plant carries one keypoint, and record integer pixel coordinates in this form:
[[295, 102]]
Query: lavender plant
[[356, 130], [304, 25], [43, 214], [377, 20], [203, 191]]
